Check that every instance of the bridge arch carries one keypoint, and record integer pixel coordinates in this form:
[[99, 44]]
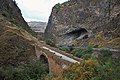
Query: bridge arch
[[44, 61]]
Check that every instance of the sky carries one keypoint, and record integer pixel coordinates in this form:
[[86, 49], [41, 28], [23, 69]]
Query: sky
[[37, 10]]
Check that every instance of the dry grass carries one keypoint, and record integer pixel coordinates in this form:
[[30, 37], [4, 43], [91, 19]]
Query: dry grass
[[100, 40]]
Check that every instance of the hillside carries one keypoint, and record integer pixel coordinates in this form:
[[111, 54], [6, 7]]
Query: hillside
[[38, 27], [82, 42], [12, 44], [15, 49], [83, 22], [16, 44]]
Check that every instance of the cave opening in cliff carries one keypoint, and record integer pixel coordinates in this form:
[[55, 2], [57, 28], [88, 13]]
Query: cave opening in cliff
[[79, 34], [44, 62]]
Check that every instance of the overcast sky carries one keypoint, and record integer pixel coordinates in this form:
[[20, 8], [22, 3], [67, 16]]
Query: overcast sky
[[37, 10]]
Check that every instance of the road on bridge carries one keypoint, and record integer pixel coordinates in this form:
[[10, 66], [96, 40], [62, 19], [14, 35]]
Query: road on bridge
[[61, 55]]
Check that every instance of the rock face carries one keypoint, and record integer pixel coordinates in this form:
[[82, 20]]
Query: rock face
[[38, 27], [81, 19], [14, 49], [9, 9]]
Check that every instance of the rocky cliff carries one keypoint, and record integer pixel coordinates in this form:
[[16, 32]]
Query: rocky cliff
[[9, 9], [82, 20]]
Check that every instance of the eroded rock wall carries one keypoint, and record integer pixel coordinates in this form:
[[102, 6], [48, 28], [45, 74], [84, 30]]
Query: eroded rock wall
[[81, 19]]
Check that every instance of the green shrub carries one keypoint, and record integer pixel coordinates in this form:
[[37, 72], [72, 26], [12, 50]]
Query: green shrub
[[108, 62], [57, 6], [32, 71], [7, 73], [51, 43], [105, 52], [115, 69], [83, 52], [66, 49]]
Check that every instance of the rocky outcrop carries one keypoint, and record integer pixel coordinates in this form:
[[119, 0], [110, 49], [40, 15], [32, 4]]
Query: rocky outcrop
[[11, 12], [82, 19], [9, 9], [38, 27]]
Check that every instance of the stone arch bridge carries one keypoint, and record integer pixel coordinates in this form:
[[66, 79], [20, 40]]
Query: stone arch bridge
[[57, 60]]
